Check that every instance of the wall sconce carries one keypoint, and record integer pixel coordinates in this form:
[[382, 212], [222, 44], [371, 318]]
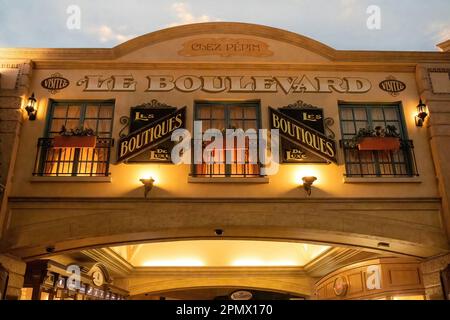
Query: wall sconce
[[307, 184], [148, 185], [421, 113], [30, 108]]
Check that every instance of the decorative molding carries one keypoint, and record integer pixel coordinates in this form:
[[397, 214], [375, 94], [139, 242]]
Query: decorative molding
[[154, 104], [228, 180], [430, 83], [19, 200], [382, 180], [10, 65], [300, 105], [110, 259], [276, 66], [219, 271], [70, 179], [335, 258], [328, 123], [125, 121]]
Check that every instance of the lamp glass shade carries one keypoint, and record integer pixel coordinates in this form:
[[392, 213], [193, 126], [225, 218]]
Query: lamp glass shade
[[421, 107]]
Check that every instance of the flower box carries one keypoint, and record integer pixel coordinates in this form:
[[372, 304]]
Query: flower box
[[379, 143], [74, 142]]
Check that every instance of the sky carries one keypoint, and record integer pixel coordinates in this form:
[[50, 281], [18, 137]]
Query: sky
[[408, 25]]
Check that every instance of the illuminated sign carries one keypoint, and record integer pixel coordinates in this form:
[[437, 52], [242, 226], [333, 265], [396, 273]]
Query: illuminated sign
[[303, 136], [151, 135]]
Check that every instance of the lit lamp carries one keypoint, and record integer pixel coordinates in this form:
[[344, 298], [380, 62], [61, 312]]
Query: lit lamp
[[421, 113], [148, 185], [30, 108], [307, 183]]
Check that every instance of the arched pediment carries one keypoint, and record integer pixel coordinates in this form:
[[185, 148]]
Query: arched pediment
[[224, 41]]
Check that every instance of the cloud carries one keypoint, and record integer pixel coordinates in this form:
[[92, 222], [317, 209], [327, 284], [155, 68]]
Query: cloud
[[439, 31], [107, 34], [185, 16], [347, 8]]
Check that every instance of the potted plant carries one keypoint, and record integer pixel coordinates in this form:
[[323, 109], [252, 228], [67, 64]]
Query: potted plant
[[75, 138], [380, 139]]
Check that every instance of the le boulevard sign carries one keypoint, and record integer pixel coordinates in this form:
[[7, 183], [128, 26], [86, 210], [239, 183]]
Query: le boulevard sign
[[151, 135], [216, 84], [303, 136]]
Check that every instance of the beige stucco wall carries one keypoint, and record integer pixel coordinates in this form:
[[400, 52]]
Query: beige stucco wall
[[172, 180], [43, 213]]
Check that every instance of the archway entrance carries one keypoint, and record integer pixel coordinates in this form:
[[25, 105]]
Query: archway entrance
[[197, 269]]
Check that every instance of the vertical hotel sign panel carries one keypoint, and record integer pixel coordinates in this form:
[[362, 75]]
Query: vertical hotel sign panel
[[303, 136], [151, 135]]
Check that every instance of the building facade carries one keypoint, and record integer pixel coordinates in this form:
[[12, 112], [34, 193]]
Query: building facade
[[356, 207]]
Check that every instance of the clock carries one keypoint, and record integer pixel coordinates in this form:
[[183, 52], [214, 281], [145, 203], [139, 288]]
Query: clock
[[98, 278]]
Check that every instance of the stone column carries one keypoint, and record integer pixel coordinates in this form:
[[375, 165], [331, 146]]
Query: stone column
[[14, 85], [431, 272], [434, 88], [16, 269]]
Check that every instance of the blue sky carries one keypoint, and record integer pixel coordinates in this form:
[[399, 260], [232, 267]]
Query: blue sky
[[405, 24]]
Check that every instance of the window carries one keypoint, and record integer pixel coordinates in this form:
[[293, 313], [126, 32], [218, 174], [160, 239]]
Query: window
[[222, 116], [375, 163], [97, 116]]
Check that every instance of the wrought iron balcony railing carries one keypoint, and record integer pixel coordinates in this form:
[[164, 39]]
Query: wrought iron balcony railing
[[399, 163], [238, 166], [86, 162]]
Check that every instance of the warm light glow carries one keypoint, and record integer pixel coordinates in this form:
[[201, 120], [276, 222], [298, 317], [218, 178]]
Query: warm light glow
[[255, 262], [148, 175], [307, 171], [418, 297], [177, 262], [220, 253]]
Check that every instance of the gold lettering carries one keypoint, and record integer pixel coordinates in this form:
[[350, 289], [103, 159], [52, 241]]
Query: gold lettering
[[124, 83], [209, 84], [160, 83], [326, 84], [304, 85], [123, 148], [330, 149], [265, 84], [286, 83], [131, 144], [237, 86], [188, 83]]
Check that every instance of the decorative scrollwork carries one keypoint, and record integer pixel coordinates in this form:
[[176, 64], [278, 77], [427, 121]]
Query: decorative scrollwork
[[300, 105], [328, 122], [154, 104], [126, 124]]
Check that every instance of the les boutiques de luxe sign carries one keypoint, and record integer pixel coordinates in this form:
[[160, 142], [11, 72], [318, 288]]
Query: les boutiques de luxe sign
[[301, 136], [152, 134], [152, 125]]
